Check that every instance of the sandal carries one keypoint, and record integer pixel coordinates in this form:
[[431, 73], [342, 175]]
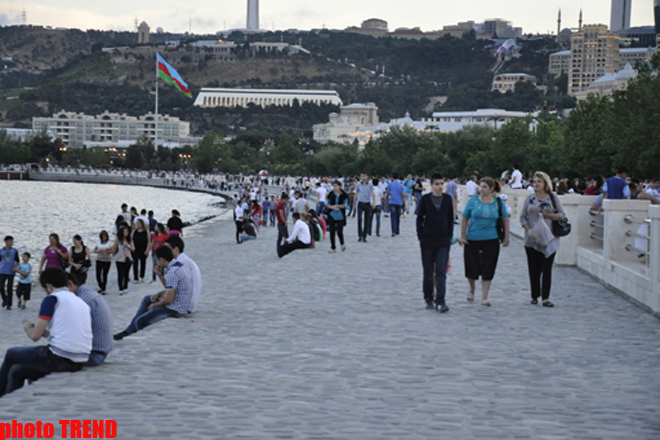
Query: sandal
[[485, 302], [470, 297], [547, 303], [332, 251]]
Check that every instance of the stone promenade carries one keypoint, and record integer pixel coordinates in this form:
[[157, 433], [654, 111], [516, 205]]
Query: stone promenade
[[339, 346]]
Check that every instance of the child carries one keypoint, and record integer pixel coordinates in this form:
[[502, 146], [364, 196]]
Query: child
[[24, 287]]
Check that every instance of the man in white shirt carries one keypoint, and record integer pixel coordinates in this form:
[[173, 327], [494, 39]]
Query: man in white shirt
[[300, 238], [652, 193], [472, 186], [515, 182], [322, 194]]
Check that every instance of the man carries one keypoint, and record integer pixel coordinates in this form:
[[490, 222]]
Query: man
[[142, 216], [435, 228], [173, 302], [652, 193], [322, 193], [9, 261], [280, 214], [300, 237], [124, 213], [616, 188], [472, 186], [176, 244], [239, 216], [450, 190], [364, 200], [376, 208], [102, 325], [152, 222], [397, 202], [301, 204], [515, 182], [65, 320], [408, 185]]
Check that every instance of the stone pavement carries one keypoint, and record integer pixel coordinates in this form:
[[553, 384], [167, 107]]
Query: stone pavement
[[339, 346]]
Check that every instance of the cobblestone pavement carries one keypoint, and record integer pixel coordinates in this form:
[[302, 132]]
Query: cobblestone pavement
[[339, 346]]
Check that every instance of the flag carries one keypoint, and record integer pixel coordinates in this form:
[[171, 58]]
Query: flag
[[168, 74]]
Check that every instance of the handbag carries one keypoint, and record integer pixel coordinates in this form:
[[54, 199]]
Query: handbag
[[500, 220], [560, 228]]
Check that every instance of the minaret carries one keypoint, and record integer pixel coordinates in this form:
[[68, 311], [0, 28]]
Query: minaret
[[253, 14], [559, 23], [580, 22]]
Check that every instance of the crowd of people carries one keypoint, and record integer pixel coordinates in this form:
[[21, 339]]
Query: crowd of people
[[74, 318]]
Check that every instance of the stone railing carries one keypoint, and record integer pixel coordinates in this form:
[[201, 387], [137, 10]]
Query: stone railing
[[603, 244]]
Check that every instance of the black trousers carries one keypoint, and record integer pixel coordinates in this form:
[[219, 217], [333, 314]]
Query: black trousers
[[539, 267], [239, 229], [123, 269], [102, 269], [287, 247], [336, 227], [364, 219]]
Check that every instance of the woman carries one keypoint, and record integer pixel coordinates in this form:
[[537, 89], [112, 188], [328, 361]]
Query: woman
[[142, 245], [103, 251], [158, 238], [122, 249], [481, 240], [256, 213], [540, 206], [336, 204], [174, 224], [54, 255], [435, 228], [79, 259], [119, 222]]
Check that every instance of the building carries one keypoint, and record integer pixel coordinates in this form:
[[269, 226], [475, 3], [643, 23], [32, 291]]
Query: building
[[620, 16], [111, 129], [253, 15], [25, 134], [215, 46], [350, 120], [635, 56], [143, 33], [217, 97], [656, 15], [373, 27], [606, 85], [499, 28], [638, 35], [594, 53], [560, 62], [505, 82]]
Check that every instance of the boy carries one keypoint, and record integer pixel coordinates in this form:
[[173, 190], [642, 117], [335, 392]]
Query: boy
[[24, 287]]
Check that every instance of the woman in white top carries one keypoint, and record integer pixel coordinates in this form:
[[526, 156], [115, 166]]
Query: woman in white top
[[122, 250], [103, 251]]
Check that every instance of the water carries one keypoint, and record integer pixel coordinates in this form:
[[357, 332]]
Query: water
[[30, 211]]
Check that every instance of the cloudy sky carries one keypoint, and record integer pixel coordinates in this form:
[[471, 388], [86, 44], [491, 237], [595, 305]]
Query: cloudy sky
[[209, 16]]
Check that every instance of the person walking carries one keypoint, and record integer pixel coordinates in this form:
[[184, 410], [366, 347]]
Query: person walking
[[376, 208], [103, 251], [397, 202], [142, 243], [337, 203], [158, 238], [363, 200], [435, 228], [281, 215], [9, 261], [540, 207], [480, 238], [80, 259], [122, 249]]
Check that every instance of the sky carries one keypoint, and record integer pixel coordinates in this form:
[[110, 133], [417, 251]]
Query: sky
[[210, 16]]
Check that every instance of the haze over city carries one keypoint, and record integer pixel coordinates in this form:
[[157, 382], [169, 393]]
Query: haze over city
[[212, 16]]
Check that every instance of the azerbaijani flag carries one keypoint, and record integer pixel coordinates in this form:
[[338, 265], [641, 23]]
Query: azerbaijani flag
[[168, 74]]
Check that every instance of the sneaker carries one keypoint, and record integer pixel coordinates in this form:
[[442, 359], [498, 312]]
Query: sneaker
[[485, 302], [120, 336], [442, 308], [135, 281], [429, 306], [23, 306], [393, 234]]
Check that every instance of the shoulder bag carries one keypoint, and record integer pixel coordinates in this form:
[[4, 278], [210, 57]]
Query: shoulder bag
[[560, 228], [500, 220]]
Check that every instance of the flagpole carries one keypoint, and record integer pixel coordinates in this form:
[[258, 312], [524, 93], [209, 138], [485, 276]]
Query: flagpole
[[156, 110]]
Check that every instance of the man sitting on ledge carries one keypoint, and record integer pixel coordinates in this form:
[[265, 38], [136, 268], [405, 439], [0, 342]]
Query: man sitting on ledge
[[300, 238], [173, 302], [69, 334]]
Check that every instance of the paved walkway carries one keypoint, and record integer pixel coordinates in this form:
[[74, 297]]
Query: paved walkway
[[320, 346]]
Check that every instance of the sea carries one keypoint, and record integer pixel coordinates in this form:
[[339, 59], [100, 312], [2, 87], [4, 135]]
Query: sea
[[30, 211]]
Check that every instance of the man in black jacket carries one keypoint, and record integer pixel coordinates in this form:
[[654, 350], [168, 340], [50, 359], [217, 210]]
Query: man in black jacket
[[435, 228]]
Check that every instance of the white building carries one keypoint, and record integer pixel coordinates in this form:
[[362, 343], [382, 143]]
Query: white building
[[505, 82], [112, 129], [560, 62], [620, 17], [608, 84], [253, 14], [342, 125], [217, 97]]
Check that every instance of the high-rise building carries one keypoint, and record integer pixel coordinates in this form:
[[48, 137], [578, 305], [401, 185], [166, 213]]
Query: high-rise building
[[594, 53], [656, 11], [620, 18], [253, 14]]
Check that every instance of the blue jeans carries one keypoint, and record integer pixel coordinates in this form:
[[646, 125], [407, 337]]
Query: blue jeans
[[282, 233], [434, 262], [153, 265], [31, 363], [395, 218], [320, 207], [272, 217], [363, 210], [375, 213], [145, 317], [408, 202], [246, 237], [96, 358]]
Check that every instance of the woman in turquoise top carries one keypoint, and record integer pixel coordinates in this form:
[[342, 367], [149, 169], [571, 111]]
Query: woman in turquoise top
[[480, 239]]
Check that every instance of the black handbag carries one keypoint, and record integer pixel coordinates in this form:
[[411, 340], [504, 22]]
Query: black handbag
[[500, 220], [560, 228]]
